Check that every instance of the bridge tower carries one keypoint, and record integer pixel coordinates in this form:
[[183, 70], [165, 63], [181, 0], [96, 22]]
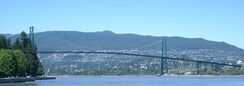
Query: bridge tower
[[198, 68], [164, 64], [31, 35]]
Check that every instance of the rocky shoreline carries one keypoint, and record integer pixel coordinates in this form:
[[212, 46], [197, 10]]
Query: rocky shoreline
[[23, 79]]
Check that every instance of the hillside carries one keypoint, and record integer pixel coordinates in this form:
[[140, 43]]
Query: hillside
[[72, 40], [79, 64]]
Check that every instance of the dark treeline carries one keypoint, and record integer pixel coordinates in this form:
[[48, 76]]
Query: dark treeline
[[20, 58]]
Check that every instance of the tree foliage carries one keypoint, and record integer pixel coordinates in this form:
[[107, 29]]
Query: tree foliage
[[6, 63], [22, 63], [19, 59], [3, 42]]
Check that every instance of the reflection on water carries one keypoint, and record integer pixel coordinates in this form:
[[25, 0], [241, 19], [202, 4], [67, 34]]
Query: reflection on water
[[137, 81]]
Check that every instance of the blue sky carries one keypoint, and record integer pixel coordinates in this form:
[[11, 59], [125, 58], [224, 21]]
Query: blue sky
[[218, 20]]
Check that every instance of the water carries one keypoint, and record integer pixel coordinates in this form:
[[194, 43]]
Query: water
[[137, 81]]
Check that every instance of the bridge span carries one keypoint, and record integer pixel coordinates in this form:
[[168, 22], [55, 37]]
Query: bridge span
[[151, 56]]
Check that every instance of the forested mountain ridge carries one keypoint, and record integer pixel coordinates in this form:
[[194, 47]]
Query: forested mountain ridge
[[179, 47], [73, 40]]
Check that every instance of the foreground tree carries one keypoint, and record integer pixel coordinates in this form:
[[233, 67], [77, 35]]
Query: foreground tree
[[40, 70], [6, 63], [20, 59], [24, 44], [21, 63]]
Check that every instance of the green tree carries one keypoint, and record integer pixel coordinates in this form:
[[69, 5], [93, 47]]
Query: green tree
[[24, 40], [17, 45], [24, 44], [6, 63], [21, 62], [30, 50], [40, 70], [3, 42]]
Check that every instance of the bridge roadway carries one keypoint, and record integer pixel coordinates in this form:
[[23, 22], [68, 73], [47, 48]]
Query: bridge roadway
[[131, 54]]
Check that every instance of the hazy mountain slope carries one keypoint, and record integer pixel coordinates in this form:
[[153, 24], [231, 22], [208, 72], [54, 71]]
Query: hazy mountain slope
[[188, 48], [71, 40]]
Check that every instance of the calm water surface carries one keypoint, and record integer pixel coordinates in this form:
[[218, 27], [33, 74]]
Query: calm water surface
[[137, 81]]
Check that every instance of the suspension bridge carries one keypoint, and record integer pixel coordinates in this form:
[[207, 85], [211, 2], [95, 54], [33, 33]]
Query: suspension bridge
[[164, 57]]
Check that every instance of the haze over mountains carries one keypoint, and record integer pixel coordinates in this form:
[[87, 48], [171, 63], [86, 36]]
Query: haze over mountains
[[72, 40]]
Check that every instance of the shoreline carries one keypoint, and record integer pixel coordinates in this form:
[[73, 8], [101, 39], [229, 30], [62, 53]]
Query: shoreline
[[150, 75], [30, 79], [24, 79]]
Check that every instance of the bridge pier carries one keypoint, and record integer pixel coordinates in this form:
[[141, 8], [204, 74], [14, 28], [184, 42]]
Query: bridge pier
[[239, 69], [166, 66], [198, 69], [162, 67]]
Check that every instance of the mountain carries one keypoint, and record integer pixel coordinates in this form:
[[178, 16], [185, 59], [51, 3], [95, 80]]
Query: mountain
[[93, 64], [73, 40], [7, 35]]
